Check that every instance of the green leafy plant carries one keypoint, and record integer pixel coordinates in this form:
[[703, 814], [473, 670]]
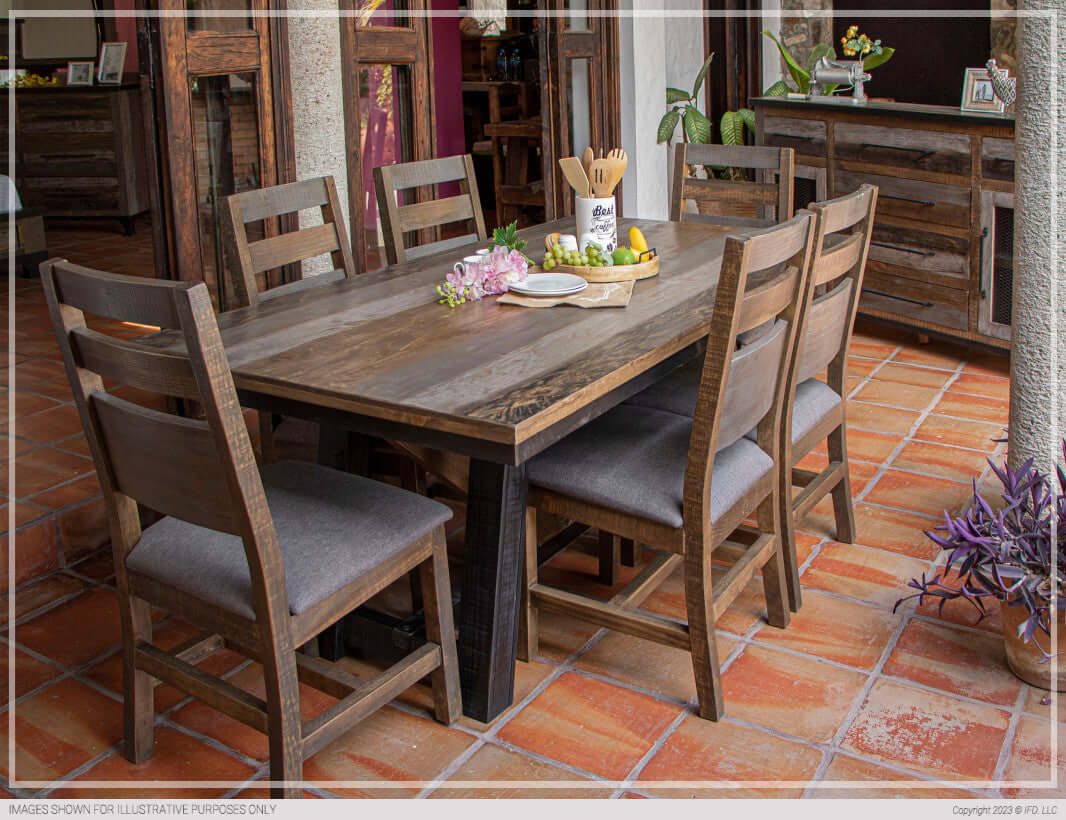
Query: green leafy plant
[[872, 53], [695, 127]]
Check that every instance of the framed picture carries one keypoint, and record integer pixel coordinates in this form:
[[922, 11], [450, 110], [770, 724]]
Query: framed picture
[[112, 61], [977, 93], [80, 72]]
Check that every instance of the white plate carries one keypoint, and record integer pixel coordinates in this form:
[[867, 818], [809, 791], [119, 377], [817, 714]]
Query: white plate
[[550, 284]]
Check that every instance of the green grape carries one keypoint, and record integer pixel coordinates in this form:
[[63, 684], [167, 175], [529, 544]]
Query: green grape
[[548, 264]]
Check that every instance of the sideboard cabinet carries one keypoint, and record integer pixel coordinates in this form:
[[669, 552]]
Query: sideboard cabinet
[[941, 255], [79, 151]]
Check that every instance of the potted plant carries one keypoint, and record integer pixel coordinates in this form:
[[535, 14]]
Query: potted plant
[[1015, 555], [857, 46], [697, 128]]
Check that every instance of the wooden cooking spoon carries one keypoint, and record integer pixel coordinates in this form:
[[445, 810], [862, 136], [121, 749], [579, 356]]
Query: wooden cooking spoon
[[587, 158], [600, 177], [575, 175]]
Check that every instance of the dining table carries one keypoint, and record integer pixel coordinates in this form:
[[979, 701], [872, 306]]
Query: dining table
[[378, 354]]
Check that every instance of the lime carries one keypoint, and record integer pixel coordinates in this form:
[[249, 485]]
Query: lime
[[624, 256]]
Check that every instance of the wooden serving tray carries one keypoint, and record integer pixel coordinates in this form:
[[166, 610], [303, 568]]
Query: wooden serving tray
[[615, 273]]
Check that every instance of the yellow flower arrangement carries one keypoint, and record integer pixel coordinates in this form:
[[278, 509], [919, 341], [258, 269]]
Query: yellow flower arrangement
[[858, 45]]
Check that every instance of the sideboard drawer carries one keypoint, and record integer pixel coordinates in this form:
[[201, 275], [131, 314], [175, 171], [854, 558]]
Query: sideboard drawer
[[997, 159], [921, 254], [912, 299], [926, 202], [805, 137], [903, 149]]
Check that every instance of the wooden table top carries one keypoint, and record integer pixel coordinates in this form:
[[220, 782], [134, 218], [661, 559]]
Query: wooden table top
[[380, 346]]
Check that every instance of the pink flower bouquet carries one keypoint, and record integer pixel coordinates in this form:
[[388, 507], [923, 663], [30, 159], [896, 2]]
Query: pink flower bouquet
[[501, 267]]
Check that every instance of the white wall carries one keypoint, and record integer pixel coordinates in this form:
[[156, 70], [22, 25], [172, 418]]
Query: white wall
[[771, 57], [655, 51], [642, 83]]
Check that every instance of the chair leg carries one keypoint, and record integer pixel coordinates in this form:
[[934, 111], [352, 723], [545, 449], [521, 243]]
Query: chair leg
[[705, 668], [138, 688], [786, 521], [610, 558], [528, 640], [440, 629], [283, 716], [773, 571], [266, 437], [843, 509]]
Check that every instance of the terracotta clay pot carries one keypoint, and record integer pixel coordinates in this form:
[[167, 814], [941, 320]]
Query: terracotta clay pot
[[1024, 658]]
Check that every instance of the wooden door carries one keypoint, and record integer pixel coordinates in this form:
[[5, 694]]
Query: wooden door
[[218, 128], [580, 92], [388, 106]]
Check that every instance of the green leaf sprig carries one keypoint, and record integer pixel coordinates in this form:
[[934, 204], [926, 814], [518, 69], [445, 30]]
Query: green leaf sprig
[[508, 238]]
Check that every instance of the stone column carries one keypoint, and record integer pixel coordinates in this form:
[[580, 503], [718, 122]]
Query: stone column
[[317, 104], [1038, 343]]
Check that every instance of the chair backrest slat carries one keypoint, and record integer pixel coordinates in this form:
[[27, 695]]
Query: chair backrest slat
[[316, 281], [844, 227], [108, 295], [396, 219], [247, 258], [751, 371], [839, 258], [265, 203], [128, 363], [771, 191], [420, 251], [435, 212], [166, 462], [286, 248], [827, 318]]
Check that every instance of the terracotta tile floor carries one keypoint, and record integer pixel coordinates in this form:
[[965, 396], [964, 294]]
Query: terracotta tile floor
[[905, 704]]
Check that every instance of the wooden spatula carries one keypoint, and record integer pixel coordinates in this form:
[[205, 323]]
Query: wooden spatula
[[575, 175], [586, 159]]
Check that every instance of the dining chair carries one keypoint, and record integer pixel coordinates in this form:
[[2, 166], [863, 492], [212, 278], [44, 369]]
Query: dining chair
[[251, 260], [683, 485], [842, 237], [844, 227], [260, 562], [397, 219], [771, 188]]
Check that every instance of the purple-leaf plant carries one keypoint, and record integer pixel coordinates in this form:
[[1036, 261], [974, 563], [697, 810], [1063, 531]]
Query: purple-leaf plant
[[1006, 554]]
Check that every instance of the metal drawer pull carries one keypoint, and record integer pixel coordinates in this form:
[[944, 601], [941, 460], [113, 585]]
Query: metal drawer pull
[[900, 298], [926, 202], [921, 152], [903, 248]]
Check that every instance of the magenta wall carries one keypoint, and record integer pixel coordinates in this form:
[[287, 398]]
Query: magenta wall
[[127, 30], [447, 82]]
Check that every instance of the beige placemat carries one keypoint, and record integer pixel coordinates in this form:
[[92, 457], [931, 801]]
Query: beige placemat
[[596, 295]]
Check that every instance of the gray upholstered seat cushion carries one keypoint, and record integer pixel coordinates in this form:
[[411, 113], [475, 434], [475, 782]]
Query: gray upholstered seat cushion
[[332, 528], [632, 459], [814, 399], [675, 392]]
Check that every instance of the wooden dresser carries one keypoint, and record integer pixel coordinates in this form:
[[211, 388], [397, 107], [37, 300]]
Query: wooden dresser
[[942, 248], [80, 151]]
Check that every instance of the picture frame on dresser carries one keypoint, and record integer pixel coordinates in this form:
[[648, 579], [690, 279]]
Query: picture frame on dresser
[[977, 93], [80, 72], [111, 64]]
